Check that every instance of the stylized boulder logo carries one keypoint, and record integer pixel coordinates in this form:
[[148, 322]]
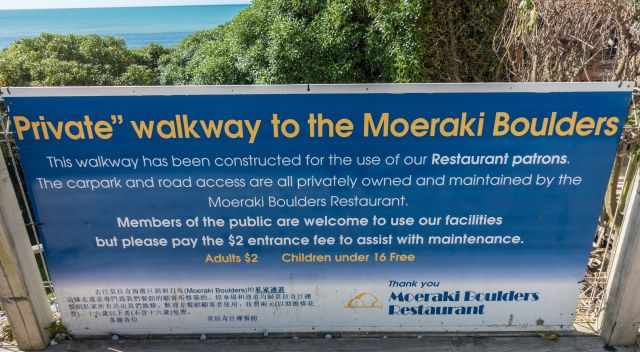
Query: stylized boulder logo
[[364, 300]]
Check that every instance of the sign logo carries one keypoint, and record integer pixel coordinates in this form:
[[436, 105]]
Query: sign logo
[[364, 300]]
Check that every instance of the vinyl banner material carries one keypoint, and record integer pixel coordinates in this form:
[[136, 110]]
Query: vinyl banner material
[[317, 208]]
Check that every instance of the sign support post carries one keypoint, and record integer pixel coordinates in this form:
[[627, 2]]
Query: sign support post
[[621, 317], [22, 295]]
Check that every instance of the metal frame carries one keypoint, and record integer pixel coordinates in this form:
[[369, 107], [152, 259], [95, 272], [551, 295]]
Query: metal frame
[[397, 88]]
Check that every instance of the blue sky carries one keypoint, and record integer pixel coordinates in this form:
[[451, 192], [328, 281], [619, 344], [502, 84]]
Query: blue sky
[[57, 4]]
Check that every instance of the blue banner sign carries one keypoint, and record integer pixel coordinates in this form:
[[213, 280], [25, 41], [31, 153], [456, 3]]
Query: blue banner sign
[[453, 207]]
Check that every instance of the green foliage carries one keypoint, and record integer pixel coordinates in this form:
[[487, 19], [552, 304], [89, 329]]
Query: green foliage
[[57, 328], [146, 70], [283, 41], [63, 60], [179, 66], [343, 41], [6, 333], [150, 55], [137, 75]]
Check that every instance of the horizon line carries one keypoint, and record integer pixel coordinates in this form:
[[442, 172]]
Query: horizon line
[[121, 6]]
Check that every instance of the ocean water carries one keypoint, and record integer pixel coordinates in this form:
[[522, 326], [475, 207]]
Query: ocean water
[[138, 26]]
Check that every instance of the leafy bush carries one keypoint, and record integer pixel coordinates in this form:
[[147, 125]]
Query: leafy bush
[[320, 41], [62, 60], [6, 333], [283, 41]]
